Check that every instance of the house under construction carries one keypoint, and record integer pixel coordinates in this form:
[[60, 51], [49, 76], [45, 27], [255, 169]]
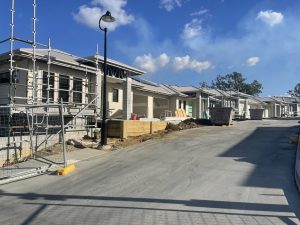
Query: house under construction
[[48, 96]]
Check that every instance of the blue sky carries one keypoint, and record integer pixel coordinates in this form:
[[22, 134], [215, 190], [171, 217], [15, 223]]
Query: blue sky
[[176, 41]]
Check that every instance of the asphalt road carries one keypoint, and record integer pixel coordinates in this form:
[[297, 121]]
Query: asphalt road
[[241, 174]]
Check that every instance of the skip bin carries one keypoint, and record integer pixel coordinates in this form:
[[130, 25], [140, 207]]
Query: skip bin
[[256, 114], [221, 115]]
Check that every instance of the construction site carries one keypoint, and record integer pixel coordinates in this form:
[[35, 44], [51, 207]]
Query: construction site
[[49, 97], [37, 112]]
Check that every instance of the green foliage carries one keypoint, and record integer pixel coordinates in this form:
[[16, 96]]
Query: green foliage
[[203, 84], [296, 91], [236, 81], [253, 88]]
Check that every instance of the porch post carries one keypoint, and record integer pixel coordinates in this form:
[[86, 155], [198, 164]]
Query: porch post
[[127, 99], [246, 108], [207, 107], [149, 107], [198, 109]]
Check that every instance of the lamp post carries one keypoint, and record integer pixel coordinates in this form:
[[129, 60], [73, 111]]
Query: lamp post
[[107, 17]]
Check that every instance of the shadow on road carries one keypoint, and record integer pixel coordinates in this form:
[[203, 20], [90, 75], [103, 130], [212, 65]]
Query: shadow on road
[[46, 200], [274, 161]]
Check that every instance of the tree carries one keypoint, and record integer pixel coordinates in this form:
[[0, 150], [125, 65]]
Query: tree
[[236, 81], [254, 88], [203, 84], [296, 91]]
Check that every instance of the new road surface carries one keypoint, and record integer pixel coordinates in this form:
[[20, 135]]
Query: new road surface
[[242, 174]]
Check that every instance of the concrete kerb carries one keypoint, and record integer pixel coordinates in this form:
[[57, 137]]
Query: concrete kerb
[[82, 155], [297, 163]]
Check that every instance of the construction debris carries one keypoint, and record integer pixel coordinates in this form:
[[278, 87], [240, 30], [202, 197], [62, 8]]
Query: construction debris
[[188, 124]]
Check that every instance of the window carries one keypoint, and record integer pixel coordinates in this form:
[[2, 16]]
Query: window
[[115, 93], [77, 90], [5, 77], [64, 87], [45, 86], [179, 104], [184, 105]]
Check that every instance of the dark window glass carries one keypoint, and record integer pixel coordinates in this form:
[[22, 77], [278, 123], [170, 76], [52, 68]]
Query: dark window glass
[[64, 88], [179, 104], [184, 105], [115, 92], [4, 77], [77, 90], [45, 86]]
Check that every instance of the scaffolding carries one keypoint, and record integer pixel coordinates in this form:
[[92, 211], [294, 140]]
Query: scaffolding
[[39, 104]]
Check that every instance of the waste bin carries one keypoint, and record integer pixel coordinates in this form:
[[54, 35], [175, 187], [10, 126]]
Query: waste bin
[[221, 115], [256, 114], [133, 116]]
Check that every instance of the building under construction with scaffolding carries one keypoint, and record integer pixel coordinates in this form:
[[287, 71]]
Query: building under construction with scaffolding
[[47, 96]]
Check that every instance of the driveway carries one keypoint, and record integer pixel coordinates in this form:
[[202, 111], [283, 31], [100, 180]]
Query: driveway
[[242, 174]]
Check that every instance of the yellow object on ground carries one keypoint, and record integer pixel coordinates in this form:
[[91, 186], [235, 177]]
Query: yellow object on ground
[[180, 113], [66, 170]]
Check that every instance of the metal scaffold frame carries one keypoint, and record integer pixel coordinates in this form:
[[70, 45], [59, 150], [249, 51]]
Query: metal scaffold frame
[[34, 105]]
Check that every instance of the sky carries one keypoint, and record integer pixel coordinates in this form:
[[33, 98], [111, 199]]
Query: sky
[[182, 42]]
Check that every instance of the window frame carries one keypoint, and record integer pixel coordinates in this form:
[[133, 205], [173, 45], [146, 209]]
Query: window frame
[[15, 78], [62, 92], [77, 94], [115, 95], [44, 86], [184, 104]]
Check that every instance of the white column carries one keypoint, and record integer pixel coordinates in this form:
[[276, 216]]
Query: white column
[[247, 108], [71, 91], [198, 104], [127, 99], [56, 87], [280, 110], [39, 85], [207, 106], [149, 107]]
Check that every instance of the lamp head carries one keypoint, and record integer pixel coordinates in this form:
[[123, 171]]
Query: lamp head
[[107, 17]]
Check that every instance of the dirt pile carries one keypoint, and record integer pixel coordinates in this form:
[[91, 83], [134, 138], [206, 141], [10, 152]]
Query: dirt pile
[[188, 124]]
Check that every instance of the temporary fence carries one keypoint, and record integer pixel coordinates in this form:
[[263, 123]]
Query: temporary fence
[[33, 137]]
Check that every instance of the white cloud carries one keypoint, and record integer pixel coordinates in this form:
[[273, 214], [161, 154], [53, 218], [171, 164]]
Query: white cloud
[[163, 60], [185, 62], [200, 12], [90, 15], [228, 51], [150, 64], [270, 18], [169, 5], [192, 29], [252, 61]]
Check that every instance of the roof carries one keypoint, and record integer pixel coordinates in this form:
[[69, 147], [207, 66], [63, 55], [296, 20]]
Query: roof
[[87, 62], [149, 86], [118, 64], [185, 88], [256, 99], [289, 100], [270, 99], [211, 91]]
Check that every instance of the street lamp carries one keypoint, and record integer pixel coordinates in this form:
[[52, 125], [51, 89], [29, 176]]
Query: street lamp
[[107, 17]]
